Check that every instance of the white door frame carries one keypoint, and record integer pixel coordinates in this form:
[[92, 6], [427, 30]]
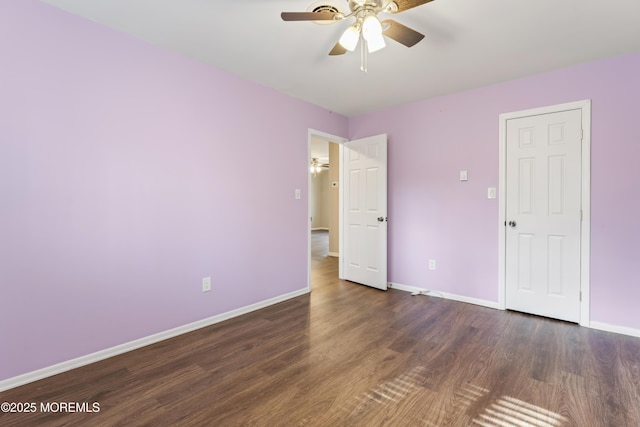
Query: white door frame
[[339, 140], [585, 229]]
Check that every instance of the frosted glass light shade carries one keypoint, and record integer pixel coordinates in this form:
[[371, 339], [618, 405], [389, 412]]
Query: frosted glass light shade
[[349, 39], [375, 43], [371, 27]]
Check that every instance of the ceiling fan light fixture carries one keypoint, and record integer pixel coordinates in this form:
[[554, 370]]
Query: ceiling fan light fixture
[[315, 167], [375, 43], [349, 39], [372, 33], [371, 27]]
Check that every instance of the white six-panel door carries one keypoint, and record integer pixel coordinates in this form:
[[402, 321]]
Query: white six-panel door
[[364, 189], [543, 214]]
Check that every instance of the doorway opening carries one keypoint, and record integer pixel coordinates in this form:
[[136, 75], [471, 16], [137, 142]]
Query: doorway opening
[[324, 206]]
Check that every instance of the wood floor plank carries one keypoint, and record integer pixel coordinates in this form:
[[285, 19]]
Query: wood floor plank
[[349, 355]]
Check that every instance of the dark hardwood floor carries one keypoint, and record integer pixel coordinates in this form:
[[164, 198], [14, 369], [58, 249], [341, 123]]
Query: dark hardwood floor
[[348, 355]]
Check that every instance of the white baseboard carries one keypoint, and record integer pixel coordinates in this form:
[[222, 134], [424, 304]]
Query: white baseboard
[[334, 254], [406, 288], [616, 329], [445, 295], [139, 343], [593, 325]]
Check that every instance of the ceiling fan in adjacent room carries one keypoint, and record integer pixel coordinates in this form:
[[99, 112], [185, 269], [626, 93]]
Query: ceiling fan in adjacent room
[[315, 166], [368, 29]]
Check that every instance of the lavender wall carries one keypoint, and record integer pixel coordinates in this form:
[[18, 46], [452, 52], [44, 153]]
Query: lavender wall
[[128, 173], [434, 215]]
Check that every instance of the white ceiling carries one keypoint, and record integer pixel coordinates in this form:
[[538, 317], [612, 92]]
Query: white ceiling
[[319, 149], [468, 43]]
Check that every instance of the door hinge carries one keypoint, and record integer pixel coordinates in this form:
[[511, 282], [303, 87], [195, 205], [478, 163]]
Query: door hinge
[[580, 296], [581, 135]]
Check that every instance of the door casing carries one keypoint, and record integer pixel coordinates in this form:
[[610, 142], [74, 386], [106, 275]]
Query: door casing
[[585, 107]]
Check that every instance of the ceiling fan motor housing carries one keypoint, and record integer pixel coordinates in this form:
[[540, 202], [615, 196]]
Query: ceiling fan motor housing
[[359, 4]]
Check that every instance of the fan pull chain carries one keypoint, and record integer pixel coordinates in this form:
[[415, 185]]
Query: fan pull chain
[[363, 55]]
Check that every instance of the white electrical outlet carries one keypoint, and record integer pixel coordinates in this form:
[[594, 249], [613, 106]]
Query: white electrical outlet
[[432, 264], [206, 284]]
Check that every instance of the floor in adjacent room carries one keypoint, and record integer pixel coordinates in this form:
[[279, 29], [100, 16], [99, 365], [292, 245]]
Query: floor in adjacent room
[[349, 355]]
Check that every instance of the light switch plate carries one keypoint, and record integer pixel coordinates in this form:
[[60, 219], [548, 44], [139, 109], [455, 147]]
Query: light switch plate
[[206, 284], [491, 193], [297, 193], [463, 176]]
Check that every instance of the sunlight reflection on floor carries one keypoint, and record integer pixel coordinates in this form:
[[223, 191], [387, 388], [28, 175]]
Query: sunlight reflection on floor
[[510, 412], [391, 391], [469, 394], [506, 411]]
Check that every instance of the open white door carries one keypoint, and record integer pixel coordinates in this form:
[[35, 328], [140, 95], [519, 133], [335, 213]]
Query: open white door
[[364, 216]]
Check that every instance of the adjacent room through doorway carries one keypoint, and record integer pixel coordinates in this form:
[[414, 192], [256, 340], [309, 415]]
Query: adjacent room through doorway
[[324, 206]]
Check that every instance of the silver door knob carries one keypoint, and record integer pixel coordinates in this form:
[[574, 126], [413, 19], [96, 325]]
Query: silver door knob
[[512, 224]]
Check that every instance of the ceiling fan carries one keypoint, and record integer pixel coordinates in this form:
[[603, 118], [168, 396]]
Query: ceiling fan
[[315, 166], [367, 29]]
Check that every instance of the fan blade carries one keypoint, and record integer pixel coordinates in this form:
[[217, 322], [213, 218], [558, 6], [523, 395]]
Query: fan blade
[[401, 33], [338, 49], [408, 4], [308, 16]]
